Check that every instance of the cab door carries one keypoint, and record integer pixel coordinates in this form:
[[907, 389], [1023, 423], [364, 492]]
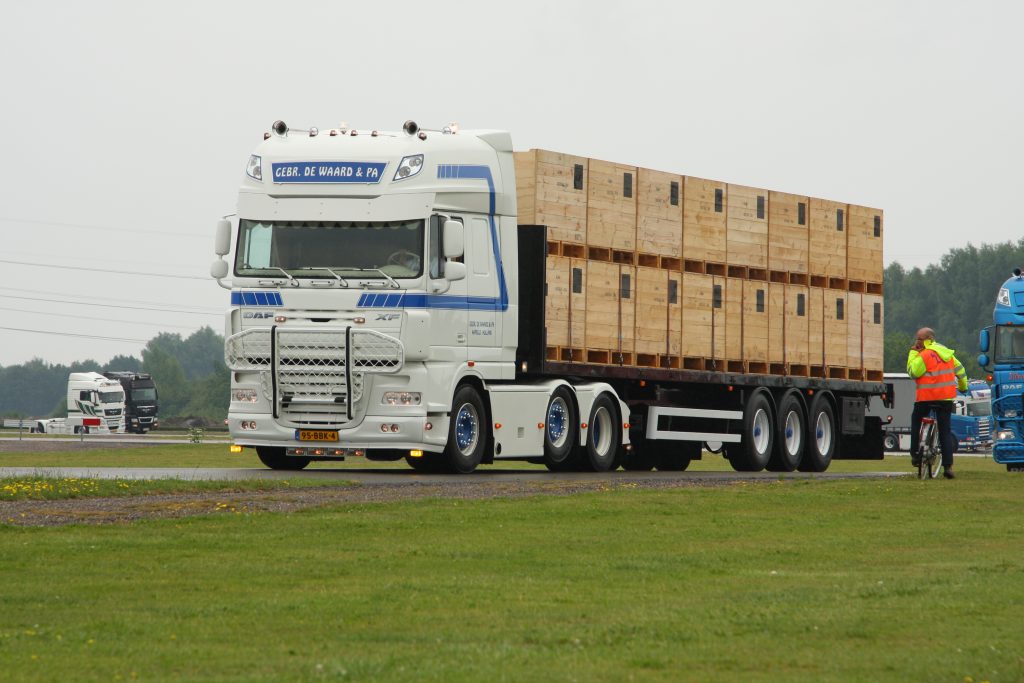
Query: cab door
[[483, 291]]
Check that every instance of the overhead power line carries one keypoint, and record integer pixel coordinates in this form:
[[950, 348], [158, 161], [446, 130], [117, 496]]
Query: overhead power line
[[80, 226], [130, 308], [92, 297], [103, 270], [95, 319], [73, 334]]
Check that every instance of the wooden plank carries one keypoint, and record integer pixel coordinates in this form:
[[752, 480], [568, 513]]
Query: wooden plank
[[700, 336], [827, 255], [816, 326], [873, 316], [651, 310], [611, 214], [777, 311], [864, 248], [526, 186], [675, 313], [602, 321], [854, 334], [788, 246], [797, 325], [733, 315], [659, 227], [704, 223], [755, 321], [556, 301], [627, 309], [836, 313]]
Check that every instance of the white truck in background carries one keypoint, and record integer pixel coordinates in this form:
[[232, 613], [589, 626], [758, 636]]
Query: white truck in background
[[95, 406]]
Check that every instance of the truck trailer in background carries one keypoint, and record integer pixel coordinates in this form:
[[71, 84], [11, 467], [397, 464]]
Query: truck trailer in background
[[429, 294], [140, 400]]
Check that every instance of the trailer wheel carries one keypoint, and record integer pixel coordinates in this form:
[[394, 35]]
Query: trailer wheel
[[602, 442], [467, 436], [561, 435], [890, 442], [790, 439], [821, 436], [275, 459], [752, 453]]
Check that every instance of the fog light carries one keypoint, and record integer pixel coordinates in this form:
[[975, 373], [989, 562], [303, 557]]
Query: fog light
[[415, 454], [401, 398], [1004, 435], [235, 448], [244, 395]]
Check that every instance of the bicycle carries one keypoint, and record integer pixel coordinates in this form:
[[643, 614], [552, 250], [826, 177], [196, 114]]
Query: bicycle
[[931, 453]]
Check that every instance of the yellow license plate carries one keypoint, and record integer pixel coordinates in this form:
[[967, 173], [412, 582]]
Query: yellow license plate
[[315, 435]]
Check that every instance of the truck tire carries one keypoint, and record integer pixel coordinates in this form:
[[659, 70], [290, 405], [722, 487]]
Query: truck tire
[[821, 436], [275, 459], [790, 435], [674, 456], [602, 446], [561, 435], [890, 442], [467, 434], [751, 454]]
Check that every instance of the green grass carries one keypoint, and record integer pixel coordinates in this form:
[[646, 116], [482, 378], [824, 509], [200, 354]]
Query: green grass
[[53, 488], [853, 580]]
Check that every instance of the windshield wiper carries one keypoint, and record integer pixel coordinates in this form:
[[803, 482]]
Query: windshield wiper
[[291, 281], [343, 281], [392, 281]]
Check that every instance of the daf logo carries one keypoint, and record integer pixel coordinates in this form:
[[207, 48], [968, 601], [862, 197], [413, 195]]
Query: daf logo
[[387, 316], [258, 315]]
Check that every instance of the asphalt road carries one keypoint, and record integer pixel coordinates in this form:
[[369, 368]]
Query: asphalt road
[[403, 476]]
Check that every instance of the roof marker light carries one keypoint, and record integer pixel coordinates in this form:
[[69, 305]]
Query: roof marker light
[[422, 135], [280, 127], [313, 132], [333, 132], [374, 134], [451, 129], [353, 132]]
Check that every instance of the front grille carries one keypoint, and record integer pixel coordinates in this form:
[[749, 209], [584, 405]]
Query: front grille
[[310, 368], [985, 429], [112, 411]]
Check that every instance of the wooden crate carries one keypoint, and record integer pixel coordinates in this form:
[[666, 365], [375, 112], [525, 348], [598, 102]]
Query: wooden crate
[[755, 321], [556, 301], [651, 311], [747, 227], [627, 312], [837, 313], [864, 244], [788, 248], [704, 214], [796, 329], [816, 326], [611, 206], [602, 292], [777, 312], [551, 190], [733, 315], [675, 314], [874, 332], [659, 214], [827, 239], [854, 334], [703, 334]]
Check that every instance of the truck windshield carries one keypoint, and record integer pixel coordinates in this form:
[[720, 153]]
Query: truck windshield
[[111, 397], [306, 248], [1009, 347], [979, 408], [144, 394]]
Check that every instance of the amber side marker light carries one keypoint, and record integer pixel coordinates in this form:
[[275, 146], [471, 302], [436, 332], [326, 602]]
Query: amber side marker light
[[416, 454], [235, 448]]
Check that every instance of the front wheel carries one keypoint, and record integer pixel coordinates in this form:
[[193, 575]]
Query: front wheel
[[275, 459], [602, 435], [466, 431]]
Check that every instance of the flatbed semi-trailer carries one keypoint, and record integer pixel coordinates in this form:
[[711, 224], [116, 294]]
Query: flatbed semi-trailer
[[394, 295]]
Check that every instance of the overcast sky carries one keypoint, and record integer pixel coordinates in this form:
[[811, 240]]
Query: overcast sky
[[125, 127]]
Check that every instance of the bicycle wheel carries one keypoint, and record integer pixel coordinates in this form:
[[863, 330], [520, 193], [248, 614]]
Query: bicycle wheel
[[934, 453], [926, 442]]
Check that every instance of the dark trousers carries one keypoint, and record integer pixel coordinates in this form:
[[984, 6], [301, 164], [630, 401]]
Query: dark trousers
[[943, 411]]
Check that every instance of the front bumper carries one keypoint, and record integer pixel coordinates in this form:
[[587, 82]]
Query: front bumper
[[369, 434]]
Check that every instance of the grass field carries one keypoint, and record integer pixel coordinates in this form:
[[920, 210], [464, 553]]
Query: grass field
[[856, 580]]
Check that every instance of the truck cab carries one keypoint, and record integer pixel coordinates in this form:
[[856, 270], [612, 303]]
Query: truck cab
[[141, 400], [1002, 353], [91, 395]]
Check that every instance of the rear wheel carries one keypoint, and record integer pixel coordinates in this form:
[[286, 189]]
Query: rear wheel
[[821, 436], [790, 437], [275, 459], [751, 454], [560, 431], [603, 440], [890, 442], [466, 434]]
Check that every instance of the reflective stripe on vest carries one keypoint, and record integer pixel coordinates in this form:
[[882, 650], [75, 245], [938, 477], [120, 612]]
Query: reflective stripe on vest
[[938, 383]]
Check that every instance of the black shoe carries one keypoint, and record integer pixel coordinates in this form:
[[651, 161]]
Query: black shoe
[[948, 473], [915, 460]]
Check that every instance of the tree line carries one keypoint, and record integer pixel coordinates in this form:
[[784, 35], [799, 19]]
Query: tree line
[[189, 373]]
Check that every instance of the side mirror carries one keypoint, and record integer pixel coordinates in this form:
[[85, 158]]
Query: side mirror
[[222, 238], [983, 360], [454, 270], [454, 242], [983, 341], [219, 269]]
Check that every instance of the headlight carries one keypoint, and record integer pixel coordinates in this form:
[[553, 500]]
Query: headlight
[[1004, 297], [254, 169], [401, 398], [1004, 435], [409, 167], [243, 395]]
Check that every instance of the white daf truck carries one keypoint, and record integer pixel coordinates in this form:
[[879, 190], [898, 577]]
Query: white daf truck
[[385, 303]]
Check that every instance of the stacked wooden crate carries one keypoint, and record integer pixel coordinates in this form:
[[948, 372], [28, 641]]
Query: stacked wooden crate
[[654, 269]]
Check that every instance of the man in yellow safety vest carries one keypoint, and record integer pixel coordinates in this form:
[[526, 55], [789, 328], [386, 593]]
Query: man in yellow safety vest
[[938, 375]]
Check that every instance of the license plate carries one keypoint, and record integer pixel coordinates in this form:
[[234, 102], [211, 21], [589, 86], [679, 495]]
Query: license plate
[[315, 435]]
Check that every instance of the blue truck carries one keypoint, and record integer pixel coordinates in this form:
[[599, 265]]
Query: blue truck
[[1002, 355]]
